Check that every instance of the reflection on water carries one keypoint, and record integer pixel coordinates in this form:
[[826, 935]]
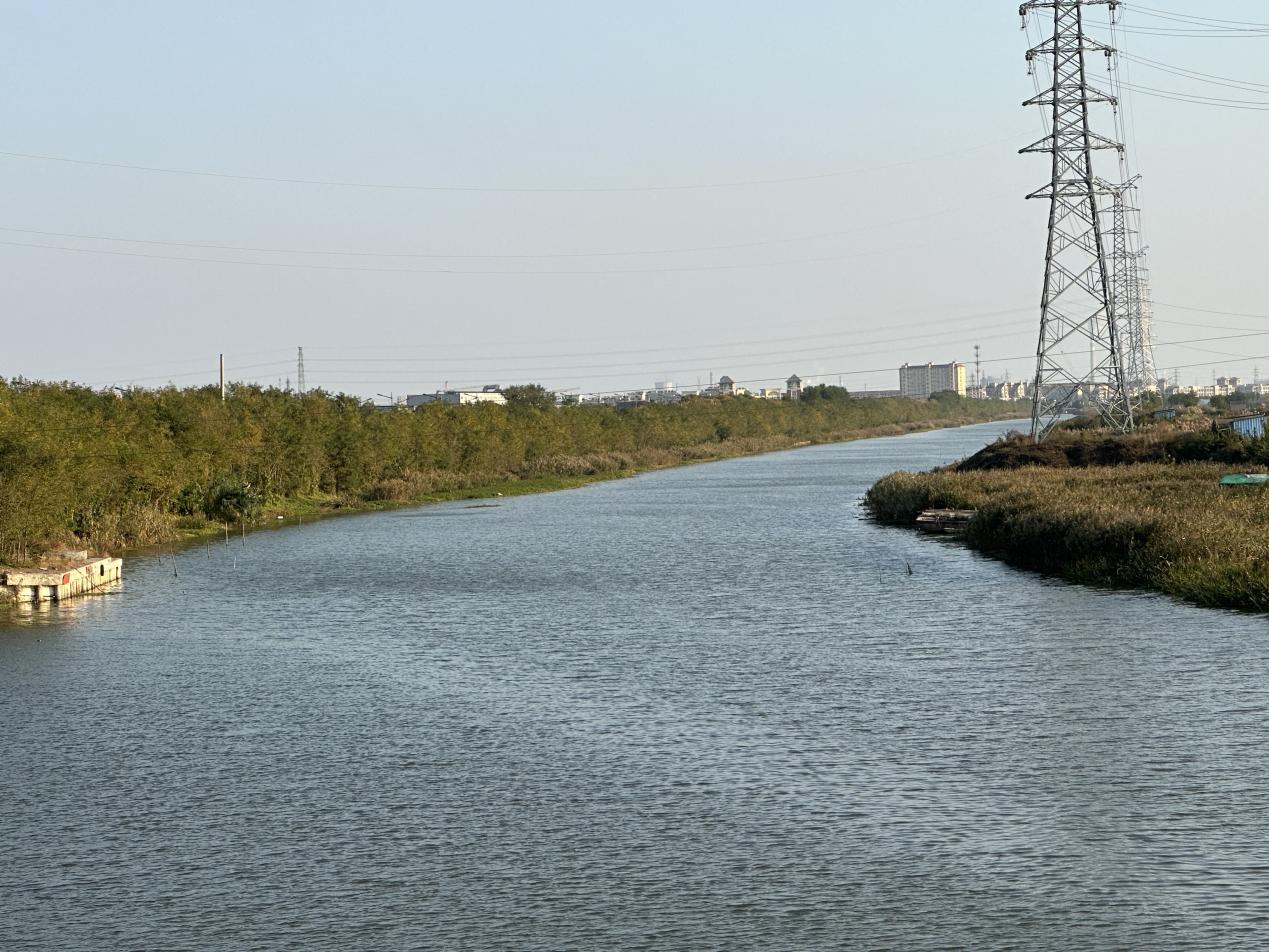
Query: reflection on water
[[708, 708], [52, 613]]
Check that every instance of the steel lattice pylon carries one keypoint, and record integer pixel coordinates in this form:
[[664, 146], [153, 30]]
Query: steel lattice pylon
[[1145, 324], [1126, 288], [1131, 293], [1078, 359]]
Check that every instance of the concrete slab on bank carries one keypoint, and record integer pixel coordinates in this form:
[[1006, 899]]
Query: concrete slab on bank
[[56, 584]]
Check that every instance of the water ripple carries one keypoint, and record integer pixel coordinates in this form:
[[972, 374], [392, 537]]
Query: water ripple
[[704, 709]]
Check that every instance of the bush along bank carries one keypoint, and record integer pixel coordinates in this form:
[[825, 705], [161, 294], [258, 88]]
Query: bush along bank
[[114, 471], [1164, 527], [1160, 443]]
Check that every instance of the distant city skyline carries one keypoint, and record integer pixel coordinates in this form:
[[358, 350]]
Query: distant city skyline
[[591, 199]]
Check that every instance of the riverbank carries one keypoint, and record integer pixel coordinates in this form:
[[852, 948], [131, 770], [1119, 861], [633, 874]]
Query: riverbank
[[120, 472], [409, 493], [1163, 527], [607, 685]]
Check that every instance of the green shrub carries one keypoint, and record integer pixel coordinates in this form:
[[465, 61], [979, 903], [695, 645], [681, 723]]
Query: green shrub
[[233, 502]]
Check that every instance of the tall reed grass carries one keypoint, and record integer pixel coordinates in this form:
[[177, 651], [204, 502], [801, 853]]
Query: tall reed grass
[[1169, 528]]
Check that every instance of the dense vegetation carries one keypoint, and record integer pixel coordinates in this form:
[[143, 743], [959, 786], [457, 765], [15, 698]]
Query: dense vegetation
[[115, 470], [1157, 444], [1090, 510]]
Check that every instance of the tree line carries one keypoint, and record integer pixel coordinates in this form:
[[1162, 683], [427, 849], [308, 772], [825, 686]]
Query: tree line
[[120, 469]]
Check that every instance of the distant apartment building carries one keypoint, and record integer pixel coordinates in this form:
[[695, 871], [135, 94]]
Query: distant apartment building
[[664, 392], [1007, 391], [919, 382], [457, 398]]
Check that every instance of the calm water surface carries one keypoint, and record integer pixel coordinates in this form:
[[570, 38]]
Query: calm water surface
[[703, 709]]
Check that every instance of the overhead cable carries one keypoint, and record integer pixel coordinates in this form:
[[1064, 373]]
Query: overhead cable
[[297, 266], [1191, 17], [578, 189], [254, 249]]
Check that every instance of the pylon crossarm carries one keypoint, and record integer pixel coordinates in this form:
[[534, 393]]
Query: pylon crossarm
[[1051, 4]]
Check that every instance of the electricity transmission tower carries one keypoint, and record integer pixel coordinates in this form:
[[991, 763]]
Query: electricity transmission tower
[[1126, 291], [299, 371], [1133, 307], [1077, 306], [1145, 325]]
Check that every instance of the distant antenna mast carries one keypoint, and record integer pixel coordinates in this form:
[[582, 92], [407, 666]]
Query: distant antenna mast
[[299, 371]]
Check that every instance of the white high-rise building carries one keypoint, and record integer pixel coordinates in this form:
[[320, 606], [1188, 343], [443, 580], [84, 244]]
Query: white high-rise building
[[920, 381]]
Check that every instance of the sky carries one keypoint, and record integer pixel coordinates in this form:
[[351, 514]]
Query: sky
[[590, 195]]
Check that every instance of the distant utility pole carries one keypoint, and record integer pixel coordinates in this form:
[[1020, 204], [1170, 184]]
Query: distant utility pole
[[1077, 302], [222, 378], [299, 371]]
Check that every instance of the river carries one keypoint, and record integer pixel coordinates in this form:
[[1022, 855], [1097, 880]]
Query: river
[[710, 708]]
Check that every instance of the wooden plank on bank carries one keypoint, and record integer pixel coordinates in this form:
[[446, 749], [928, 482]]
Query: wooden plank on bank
[[945, 521]]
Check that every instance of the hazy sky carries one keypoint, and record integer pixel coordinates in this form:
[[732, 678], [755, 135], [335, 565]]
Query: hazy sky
[[887, 222]]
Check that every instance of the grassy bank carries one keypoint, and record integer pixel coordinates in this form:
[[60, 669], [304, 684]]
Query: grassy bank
[[1164, 526], [121, 471]]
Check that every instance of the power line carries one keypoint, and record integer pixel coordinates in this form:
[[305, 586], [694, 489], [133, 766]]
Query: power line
[[676, 349], [211, 373], [1198, 34], [691, 363], [876, 370], [482, 358], [1199, 99], [1202, 310], [1204, 326], [887, 369], [701, 361], [601, 371], [254, 249], [1194, 101], [486, 357], [1213, 340], [1191, 17], [1211, 78], [294, 266], [405, 187], [1215, 363]]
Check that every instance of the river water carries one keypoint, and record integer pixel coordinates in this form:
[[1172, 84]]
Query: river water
[[703, 709]]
